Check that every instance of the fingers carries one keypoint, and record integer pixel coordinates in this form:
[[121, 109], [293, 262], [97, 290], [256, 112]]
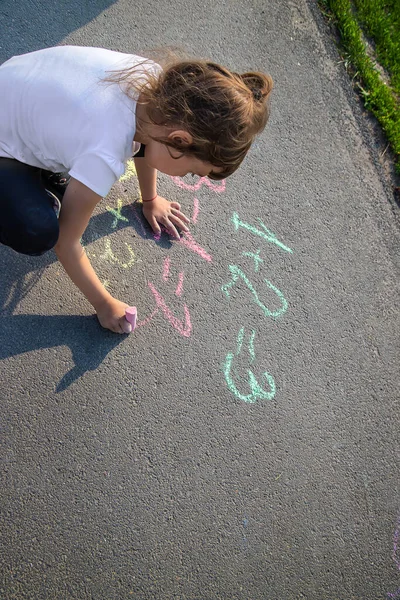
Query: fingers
[[168, 214], [173, 220], [170, 219], [115, 327], [113, 317], [154, 225], [180, 215], [120, 325], [172, 230], [178, 221], [125, 326]]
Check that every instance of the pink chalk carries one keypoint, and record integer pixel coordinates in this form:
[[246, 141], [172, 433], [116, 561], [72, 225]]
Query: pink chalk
[[195, 210], [178, 290], [167, 262], [131, 316]]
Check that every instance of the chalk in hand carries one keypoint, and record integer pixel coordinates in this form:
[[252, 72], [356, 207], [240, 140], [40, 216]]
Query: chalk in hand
[[131, 316]]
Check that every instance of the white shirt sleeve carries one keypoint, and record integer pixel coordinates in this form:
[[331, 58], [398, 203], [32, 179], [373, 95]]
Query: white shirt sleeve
[[97, 173]]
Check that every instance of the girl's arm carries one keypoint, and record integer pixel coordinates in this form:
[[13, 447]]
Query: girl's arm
[[147, 177], [159, 210], [77, 208]]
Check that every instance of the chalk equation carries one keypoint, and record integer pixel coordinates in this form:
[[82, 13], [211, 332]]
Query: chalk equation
[[237, 275], [172, 282]]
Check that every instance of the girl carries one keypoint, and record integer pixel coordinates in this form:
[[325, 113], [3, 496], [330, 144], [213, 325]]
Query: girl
[[85, 111]]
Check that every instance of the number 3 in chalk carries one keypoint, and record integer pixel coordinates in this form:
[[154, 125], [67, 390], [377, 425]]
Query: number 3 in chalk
[[257, 392]]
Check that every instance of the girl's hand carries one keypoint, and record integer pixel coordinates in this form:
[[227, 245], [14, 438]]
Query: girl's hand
[[111, 314], [161, 211]]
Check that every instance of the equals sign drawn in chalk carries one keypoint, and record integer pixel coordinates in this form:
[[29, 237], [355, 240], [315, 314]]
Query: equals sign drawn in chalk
[[131, 316]]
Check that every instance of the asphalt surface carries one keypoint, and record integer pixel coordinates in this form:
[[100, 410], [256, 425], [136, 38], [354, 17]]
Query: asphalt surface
[[243, 443]]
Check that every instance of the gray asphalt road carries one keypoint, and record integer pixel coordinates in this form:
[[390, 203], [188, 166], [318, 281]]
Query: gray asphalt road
[[243, 442]]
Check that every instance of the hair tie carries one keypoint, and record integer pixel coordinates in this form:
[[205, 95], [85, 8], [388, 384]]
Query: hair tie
[[257, 95]]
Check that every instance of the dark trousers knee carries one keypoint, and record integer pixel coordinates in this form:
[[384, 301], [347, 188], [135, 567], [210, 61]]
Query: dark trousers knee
[[36, 241], [28, 223]]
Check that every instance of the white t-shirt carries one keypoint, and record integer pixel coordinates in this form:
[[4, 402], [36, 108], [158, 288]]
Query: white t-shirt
[[57, 114]]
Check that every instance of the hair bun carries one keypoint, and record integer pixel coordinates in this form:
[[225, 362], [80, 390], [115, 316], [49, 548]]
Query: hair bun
[[259, 84]]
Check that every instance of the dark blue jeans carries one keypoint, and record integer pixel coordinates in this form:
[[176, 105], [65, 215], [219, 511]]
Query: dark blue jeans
[[28, 223]]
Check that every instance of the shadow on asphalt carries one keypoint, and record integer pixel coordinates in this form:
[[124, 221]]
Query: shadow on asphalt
[[29, 26], [20, 273], [130, 215], [88, 342]]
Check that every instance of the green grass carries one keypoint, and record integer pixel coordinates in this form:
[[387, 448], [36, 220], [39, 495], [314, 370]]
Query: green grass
[[379, 20]]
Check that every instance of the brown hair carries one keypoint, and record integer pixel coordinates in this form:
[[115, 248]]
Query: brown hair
[[222, 110]]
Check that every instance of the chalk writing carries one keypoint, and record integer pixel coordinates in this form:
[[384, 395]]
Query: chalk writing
[[167, 262], [237, 274], [109, 255], [266, 234], [251, 390], [130, 171], [215, 187], [179, 287], [255, 257], [183, 327], [256, 391], [117, 214], [195, 214], [147, 320], [189, 242]]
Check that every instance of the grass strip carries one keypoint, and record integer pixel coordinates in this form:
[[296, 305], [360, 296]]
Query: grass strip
[[378, 97], [380, 19]]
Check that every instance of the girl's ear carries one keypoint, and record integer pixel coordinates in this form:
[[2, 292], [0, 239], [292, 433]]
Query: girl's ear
[[180, 136]]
